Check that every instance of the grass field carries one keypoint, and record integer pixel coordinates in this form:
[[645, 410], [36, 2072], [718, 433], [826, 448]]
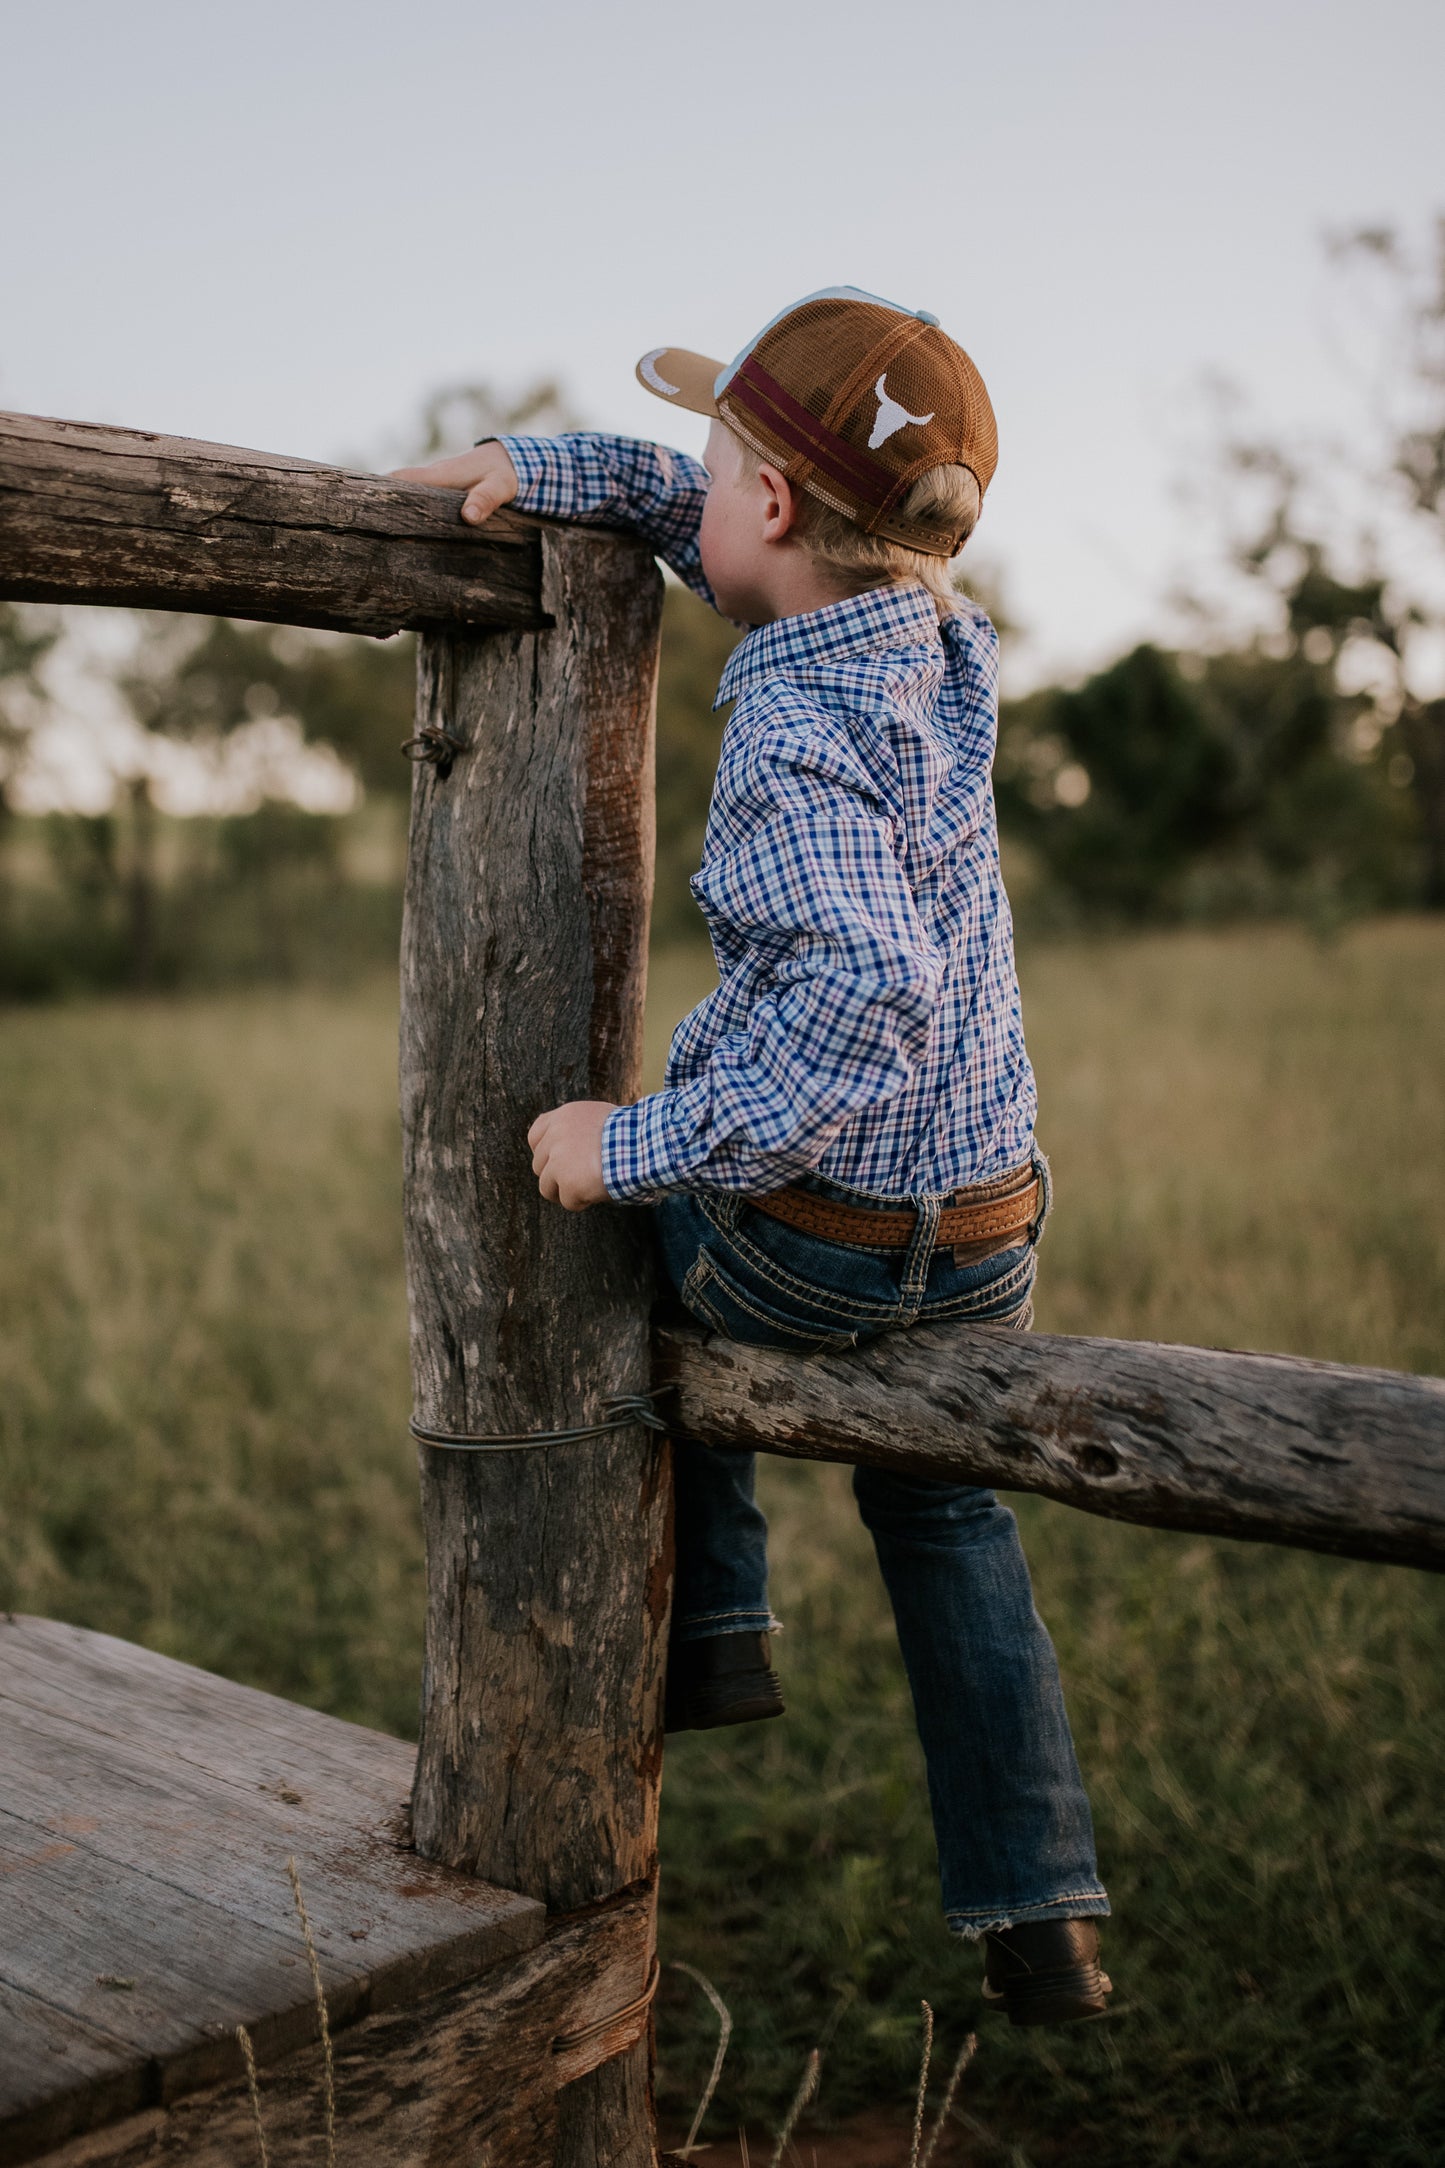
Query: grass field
[[202, 1436]]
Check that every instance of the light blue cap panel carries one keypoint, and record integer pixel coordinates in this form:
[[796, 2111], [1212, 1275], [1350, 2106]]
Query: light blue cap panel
[[825, 293]]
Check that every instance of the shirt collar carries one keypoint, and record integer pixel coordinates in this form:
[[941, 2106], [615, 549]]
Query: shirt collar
[[884, 617]]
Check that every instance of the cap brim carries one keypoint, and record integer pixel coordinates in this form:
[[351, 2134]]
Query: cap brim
[[682, 379]]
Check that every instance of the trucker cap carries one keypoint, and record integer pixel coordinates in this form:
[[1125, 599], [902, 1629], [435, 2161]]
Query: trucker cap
[[852, 398]]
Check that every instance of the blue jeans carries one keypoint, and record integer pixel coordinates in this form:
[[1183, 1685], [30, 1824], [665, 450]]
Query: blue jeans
[[1015, 1836]]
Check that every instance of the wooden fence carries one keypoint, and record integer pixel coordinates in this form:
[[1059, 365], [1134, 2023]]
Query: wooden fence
[[523, 955]]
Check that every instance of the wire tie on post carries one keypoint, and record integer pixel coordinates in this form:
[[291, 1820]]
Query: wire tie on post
[[566, 2041], [436, 745], [620, 1412]]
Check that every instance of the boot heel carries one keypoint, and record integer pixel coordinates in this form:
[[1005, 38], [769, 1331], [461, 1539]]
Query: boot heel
[[726, 1679], [1046, 1972]]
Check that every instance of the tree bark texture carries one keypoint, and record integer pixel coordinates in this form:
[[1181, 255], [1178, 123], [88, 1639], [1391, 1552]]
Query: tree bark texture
[[523, 967], [1266, 1447], [89, 514]]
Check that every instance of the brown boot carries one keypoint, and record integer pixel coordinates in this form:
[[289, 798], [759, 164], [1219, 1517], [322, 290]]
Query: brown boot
[[1045, 1972], [726, 1679]]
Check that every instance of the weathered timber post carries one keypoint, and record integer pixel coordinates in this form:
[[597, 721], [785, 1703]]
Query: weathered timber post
[[523, 961]]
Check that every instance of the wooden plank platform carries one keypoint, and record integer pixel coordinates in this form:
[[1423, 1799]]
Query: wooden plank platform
[[147, 1814]]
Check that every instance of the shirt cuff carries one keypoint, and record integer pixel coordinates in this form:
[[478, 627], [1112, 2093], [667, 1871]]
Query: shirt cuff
[[545, 479], [642, 1150]]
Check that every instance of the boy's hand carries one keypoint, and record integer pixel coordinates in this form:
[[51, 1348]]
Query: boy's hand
[[567, 1153], [485, 473]]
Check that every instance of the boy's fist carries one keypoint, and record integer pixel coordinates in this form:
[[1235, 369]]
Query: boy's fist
[[567, 1153], [485, 473]]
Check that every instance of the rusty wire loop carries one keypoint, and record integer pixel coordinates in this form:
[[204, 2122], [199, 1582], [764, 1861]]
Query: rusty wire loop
[[566, 2041], [435, 745]]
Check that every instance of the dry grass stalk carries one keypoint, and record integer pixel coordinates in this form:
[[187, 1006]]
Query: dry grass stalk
[[250, 2057], [926, 2059], [725, 2033], [327, 2070], [961, 2062], [807, 2086]]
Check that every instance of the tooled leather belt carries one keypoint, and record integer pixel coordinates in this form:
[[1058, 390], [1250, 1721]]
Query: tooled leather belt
[[988, 1213]]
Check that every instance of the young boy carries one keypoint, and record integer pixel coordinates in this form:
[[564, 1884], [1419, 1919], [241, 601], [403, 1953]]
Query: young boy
[[844, 1144]]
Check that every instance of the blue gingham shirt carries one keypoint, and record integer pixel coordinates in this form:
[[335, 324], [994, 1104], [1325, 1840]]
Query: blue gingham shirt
[[866, 1025]]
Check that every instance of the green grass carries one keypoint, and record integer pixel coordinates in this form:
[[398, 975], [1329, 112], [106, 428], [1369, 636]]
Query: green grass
[[203, 1382], [202, 1410]]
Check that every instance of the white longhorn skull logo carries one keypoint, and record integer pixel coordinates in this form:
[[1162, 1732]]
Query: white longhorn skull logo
[[891, 416]]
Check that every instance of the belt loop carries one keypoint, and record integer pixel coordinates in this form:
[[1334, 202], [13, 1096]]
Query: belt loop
[[918, 1258], [1046, 1193]]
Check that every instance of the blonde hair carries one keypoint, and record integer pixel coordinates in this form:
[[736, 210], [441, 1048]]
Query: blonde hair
[[944, 497]]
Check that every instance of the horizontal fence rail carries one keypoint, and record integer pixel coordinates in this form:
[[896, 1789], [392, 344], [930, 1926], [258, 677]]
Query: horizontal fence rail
[[90, 514], [1266, 1447]]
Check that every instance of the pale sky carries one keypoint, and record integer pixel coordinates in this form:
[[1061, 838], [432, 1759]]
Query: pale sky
[[282, 225]]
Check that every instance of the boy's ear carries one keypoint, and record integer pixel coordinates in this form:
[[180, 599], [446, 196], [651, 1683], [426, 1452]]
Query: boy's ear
[[780, 503]]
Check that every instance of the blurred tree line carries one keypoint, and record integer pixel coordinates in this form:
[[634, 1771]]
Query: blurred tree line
[[134, 895], [1298, 769], [1302, 769]]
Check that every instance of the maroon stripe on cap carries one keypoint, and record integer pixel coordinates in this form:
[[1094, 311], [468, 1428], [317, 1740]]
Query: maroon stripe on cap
[[816, 432], [853, 470]]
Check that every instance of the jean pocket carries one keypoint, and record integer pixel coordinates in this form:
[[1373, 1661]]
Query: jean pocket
[[727, 1303], [999, 1292]]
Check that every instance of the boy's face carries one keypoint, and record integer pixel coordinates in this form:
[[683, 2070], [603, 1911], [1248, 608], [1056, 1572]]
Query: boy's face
[[739, 520]]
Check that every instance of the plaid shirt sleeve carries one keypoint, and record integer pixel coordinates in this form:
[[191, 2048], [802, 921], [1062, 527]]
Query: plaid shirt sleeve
[[808, 875], [623, 482]]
